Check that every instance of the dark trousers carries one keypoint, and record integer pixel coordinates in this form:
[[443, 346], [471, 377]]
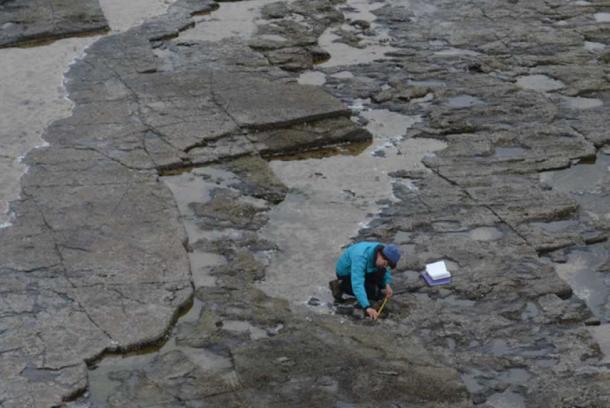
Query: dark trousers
[[372, 285]]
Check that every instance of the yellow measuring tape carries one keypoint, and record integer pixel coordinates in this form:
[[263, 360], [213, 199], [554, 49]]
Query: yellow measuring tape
[[382, 305]]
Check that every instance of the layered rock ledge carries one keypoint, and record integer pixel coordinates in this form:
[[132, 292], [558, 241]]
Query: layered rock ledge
[[24, 22], [98, 258]]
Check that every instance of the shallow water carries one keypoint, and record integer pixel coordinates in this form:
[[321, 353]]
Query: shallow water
[[431, 83], [329, 201], [231, 19], [192, 187], [584, 181], [594, 46], [510, 152], [582, 272], [386, 125], [602, 17], [455, 52], [506, 399], [486, 234], [102, 386], [33, 92], [372, 46], [589, 185], [343, 54], [541, 83], [312, 78], [581, 103], [343, 75], [556, 226], [33, 96], [122, 15], [464, 101], [196, 187], [601, 334]]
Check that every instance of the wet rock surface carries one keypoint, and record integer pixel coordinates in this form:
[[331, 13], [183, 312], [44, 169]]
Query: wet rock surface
[[25, 21], [104, 252], [85, 266]]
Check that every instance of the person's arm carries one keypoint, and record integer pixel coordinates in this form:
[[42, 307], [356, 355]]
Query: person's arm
[[387, 280], [372, 313], [357, 275]]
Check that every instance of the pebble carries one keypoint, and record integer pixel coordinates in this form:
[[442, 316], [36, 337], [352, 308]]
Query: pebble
[[313, 301]]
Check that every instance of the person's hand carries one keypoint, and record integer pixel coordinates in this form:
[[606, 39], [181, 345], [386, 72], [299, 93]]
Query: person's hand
[[372, 313], [388, 291]]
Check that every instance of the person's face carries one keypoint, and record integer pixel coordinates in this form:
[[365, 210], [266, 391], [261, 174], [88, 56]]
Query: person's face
[[381, 262]]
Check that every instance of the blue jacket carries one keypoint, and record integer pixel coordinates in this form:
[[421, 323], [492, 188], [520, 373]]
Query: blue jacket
[[356, 261]]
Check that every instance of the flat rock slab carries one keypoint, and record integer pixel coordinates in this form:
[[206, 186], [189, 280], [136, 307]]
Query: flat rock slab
[[28, 21], [96, 259], [260, 104]]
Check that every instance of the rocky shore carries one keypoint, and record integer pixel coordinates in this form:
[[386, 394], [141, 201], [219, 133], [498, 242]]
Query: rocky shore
[[24, 22], [150, 261]]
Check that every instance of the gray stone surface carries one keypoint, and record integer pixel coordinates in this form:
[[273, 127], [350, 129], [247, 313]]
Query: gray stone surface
[[98, 257], [96, 260], [27, 21], [237, 346]]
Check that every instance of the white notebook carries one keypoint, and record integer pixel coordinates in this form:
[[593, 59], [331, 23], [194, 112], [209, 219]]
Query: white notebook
[[437, 270]]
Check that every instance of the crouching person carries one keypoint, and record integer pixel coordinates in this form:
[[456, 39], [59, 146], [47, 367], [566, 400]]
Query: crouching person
[[364, 270]]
